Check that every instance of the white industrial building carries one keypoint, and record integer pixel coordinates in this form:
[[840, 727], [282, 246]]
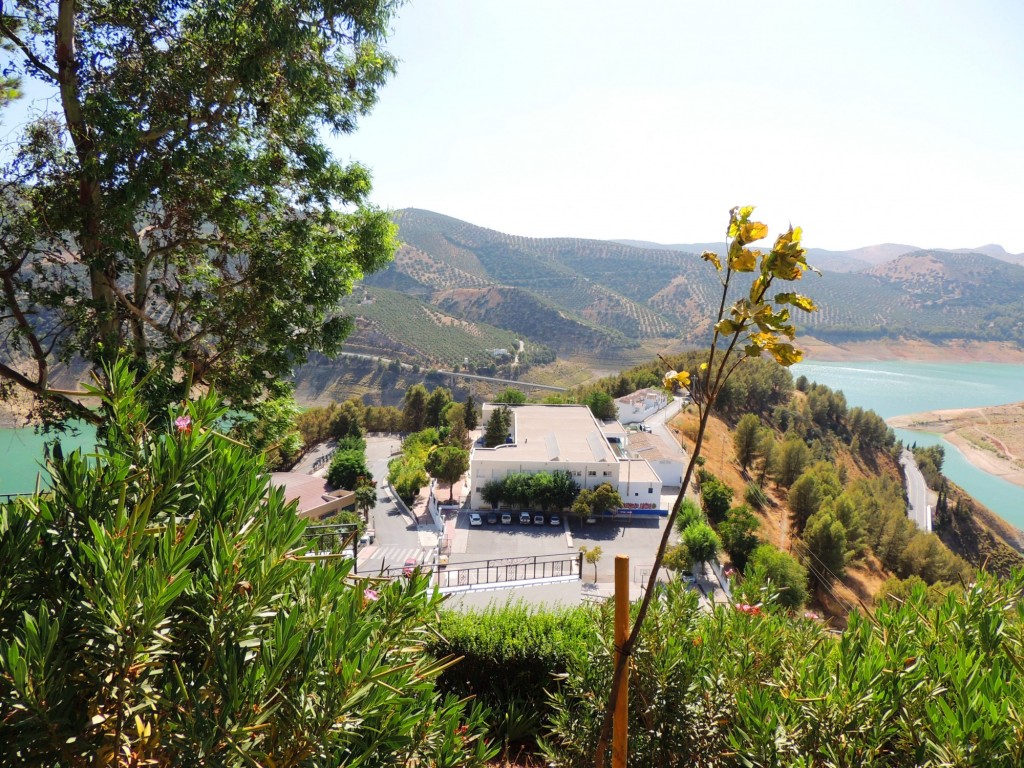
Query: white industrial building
[[548, 438]]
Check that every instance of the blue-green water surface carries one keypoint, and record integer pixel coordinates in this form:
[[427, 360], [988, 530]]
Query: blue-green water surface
[[22, 456], [898, 388]]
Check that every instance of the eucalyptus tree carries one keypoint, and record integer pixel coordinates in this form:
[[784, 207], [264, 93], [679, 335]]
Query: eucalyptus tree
[[174, 201]]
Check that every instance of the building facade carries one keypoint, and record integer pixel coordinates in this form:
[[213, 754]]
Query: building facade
[[550, 438]]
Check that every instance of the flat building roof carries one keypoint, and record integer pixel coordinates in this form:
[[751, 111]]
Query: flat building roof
[[543, 433]]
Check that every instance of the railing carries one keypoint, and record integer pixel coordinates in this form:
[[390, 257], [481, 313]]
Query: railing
[[7, 498], [506, 571], [332, 537], [322, 461]]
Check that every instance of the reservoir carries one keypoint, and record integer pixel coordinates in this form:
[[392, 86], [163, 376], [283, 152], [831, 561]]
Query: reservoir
[[21, 456], [897, 388]]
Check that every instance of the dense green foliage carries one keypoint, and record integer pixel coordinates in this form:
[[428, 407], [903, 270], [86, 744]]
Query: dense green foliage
[[407, 473], [173, 198], [739, 535], [746, 439], [156, 608], [414, 409], [498, 426], [601, 405], [510, 396], [509, 653], [773, 575], [597, 502], [447, 463], [929, 460], [932, 678], [915, 684], [347, 467], [543, 490], [701, 543], [351, 417], [715, 497]]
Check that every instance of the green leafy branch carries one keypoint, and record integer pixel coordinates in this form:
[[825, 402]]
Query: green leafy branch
[[753, 326]]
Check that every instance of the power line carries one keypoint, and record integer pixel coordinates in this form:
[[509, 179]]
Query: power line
[[818, 574]]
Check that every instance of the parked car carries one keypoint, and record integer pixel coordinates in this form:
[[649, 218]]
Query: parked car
[[590, 520], [556, 520], [492, 518], [524, 518], [538, 519], [410, 566], [506, 518], [475, 519]]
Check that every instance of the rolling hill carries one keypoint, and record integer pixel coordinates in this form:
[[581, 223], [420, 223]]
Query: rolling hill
[[611, 303]]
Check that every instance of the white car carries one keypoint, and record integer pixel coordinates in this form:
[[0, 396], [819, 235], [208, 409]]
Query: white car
[[474, 519]]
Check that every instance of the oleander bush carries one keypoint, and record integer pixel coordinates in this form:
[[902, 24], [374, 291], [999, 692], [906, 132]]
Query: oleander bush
[[917, 683], [156, 608]]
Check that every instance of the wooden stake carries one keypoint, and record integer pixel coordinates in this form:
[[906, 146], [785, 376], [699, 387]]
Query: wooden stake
[[620, 721]]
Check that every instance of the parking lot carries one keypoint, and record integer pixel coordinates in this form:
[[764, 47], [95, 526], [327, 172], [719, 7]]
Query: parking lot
[[636, 537]]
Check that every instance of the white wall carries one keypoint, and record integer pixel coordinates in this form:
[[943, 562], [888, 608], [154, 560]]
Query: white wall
[[670, 472]]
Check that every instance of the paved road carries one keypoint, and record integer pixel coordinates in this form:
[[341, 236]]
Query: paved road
[[397, 537], [512, 382], [658, 423], [917, 492]]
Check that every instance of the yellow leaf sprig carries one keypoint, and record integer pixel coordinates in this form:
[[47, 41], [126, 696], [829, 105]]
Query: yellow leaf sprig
[[765, 324]]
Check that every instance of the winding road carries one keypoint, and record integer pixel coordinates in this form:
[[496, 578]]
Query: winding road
[[917, 492]]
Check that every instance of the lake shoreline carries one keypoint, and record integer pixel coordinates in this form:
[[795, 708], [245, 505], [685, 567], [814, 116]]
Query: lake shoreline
[[998, 458], [910, 351]]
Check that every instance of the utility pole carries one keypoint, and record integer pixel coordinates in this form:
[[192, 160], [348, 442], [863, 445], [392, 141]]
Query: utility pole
[[620, 718]]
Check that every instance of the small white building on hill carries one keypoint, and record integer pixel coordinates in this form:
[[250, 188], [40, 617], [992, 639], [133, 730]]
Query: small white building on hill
[[637, 406]]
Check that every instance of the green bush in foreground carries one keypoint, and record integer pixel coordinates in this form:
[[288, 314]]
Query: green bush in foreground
[[155, 609], [916, 684]]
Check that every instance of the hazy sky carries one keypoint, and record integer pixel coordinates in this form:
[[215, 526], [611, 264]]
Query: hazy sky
[[863, 122]]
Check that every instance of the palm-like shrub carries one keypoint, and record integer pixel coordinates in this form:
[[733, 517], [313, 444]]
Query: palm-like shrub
[[156, 608]]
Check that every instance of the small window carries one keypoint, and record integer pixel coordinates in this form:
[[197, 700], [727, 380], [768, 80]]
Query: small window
[[637, 493], [650, 490], [606, 473], [591, 473]]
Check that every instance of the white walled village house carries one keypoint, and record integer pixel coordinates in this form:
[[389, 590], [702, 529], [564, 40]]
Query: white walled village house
[[549, 438], [637, 406]]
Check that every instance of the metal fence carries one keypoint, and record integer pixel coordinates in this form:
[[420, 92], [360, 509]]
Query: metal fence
[[7, 498], [322, 461], [499, 571], [332, 538]]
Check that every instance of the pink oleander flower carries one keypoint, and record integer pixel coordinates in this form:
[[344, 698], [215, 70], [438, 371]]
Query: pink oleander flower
[[371, 594], [184, 424], [811, 615]]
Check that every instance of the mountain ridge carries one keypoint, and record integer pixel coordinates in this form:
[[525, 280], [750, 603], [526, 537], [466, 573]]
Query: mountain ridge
[[607, 303]]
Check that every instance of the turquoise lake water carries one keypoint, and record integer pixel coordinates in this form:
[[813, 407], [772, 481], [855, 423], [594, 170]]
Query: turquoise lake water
[[899, 388], [21, 456]]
